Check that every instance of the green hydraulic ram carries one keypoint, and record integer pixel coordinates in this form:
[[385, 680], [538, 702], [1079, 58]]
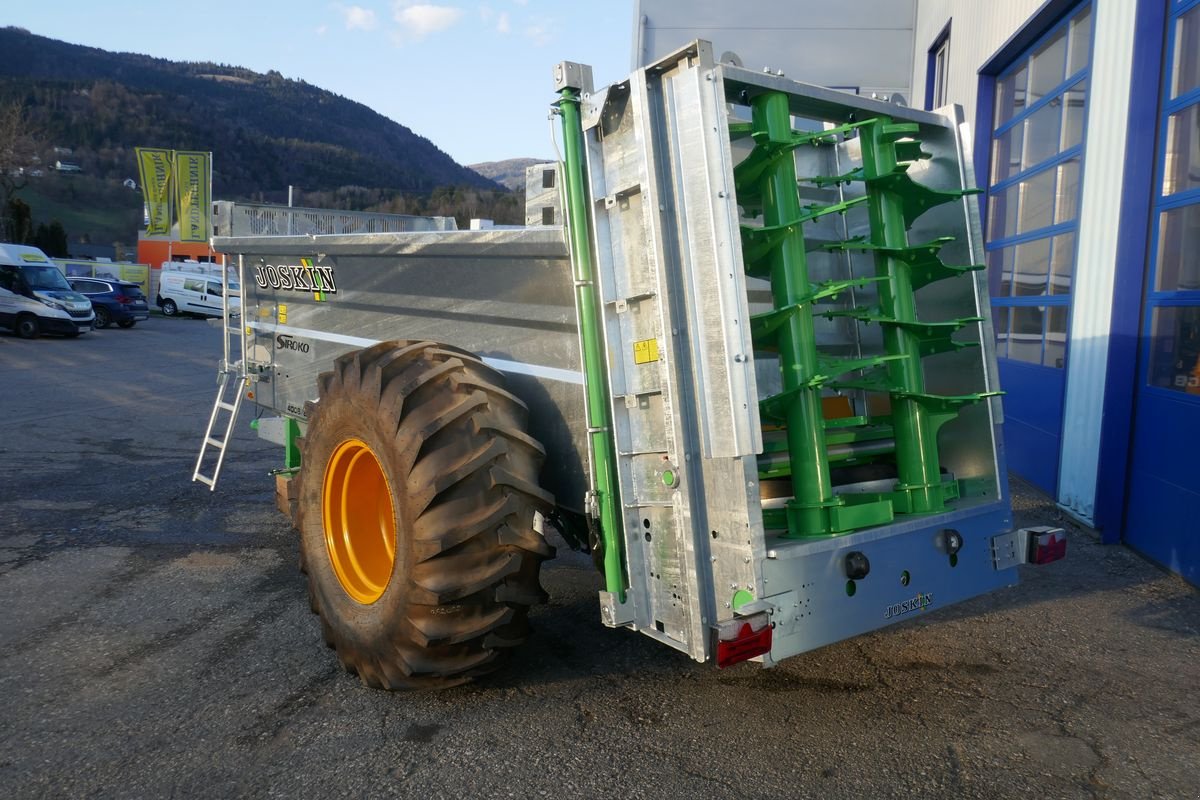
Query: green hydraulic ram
[[600, 439]]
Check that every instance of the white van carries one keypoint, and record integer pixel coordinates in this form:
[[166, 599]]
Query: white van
[[35, 297], [194, 293]]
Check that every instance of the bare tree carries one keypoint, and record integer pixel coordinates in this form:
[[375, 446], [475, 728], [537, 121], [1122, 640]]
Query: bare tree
[[18, 146]]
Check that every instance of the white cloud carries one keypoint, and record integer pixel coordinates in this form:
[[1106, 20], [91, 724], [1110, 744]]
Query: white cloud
[[486, 13], [358, 18], [322, 30], [421, 19], [540, 32], [502, 25]]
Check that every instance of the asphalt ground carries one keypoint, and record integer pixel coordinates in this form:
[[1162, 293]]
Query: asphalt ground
[[155, 641]]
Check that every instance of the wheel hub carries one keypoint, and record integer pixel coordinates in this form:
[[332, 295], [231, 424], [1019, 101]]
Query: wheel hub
[[359, 521]]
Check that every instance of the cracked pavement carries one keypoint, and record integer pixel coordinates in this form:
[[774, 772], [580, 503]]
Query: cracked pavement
[[156, 641]]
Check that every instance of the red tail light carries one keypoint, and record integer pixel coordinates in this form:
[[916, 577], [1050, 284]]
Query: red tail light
[[1046, 545], [742, 638], [123, 299]]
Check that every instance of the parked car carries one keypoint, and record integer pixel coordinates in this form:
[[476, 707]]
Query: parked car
[[116, 301], [35, 298], [193, 293]]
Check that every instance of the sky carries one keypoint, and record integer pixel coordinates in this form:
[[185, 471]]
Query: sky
[[472, 76]]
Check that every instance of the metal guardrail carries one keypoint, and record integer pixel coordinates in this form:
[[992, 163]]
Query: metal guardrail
[[254, 219]]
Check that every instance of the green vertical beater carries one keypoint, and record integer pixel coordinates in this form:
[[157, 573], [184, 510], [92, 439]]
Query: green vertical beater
[[790, 288], [917, 461]]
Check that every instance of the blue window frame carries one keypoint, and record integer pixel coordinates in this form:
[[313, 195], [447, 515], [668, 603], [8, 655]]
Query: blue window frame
[[1172, 310], [937, 70], [1034, 188]]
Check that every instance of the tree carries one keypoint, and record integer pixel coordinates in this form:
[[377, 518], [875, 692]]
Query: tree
[[17, 222], [18, 146], [52, 239]]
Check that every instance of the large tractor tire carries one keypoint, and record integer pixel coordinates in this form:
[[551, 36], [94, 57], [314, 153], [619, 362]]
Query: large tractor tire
[[417, 500]]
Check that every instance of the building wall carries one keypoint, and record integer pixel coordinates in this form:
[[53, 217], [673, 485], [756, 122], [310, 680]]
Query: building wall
[[982, 37], [976, 31], [867, 44], [155, 251]]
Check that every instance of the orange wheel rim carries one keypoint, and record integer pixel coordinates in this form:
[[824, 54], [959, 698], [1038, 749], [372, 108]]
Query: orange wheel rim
[[360, 523]]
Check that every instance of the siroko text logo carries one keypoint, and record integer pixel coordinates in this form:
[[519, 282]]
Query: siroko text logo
[[285, 342]]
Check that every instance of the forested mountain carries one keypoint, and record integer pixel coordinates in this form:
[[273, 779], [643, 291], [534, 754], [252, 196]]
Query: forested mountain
[[510, 172], [265, 131]]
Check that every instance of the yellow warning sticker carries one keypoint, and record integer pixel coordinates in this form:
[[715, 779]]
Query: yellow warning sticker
[[645, 351], [282, 313]]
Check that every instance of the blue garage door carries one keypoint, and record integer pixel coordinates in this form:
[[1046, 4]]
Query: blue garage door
[[1033, 195], [1164, 486]]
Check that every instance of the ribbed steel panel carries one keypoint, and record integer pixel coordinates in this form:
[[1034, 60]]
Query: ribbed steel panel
[[1096, 263]]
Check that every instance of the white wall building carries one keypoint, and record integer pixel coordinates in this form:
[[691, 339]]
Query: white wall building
[[1086, 119]]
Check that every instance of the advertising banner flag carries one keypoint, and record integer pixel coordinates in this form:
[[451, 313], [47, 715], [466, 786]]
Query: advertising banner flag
[[154, 171], [193, 187]]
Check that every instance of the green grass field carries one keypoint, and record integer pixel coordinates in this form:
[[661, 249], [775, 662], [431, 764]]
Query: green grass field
[[102, 211]]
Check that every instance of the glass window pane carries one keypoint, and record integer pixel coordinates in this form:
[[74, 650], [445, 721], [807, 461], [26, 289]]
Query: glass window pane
[[939, 76], [1075, 102], [1037, 201], [1042, 133], [1000, 324], [1025, 339], [1000, 263], [1047, 68], [1177, 266], [1006, 153], [1185, 70], [1062, 264], [1081, 41], [1181, 167], [1067, 200], [1032, 266], [1002, 212], [1010, 95], [1175, 349], [1055, 351]]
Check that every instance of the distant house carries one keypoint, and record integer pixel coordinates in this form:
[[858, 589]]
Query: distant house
[[62, 151], [129, 183], [67, 166]]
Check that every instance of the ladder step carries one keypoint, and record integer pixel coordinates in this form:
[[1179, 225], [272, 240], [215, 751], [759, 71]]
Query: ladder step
[[204, 480], [215, 443], [226, 406]]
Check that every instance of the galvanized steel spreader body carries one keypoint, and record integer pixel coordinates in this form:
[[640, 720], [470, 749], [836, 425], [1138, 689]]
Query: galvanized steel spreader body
[[757, 353]]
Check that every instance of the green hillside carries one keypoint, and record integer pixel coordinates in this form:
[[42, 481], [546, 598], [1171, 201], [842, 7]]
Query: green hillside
[[265, 132]]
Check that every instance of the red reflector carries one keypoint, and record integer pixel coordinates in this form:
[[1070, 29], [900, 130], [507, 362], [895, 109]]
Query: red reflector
[[1047, 547], [743, 638]]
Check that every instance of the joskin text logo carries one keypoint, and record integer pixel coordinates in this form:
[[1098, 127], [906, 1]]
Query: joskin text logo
[[296, 278], [916, 603]]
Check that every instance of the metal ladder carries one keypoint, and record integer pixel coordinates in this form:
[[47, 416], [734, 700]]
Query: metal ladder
[[231, 381]]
